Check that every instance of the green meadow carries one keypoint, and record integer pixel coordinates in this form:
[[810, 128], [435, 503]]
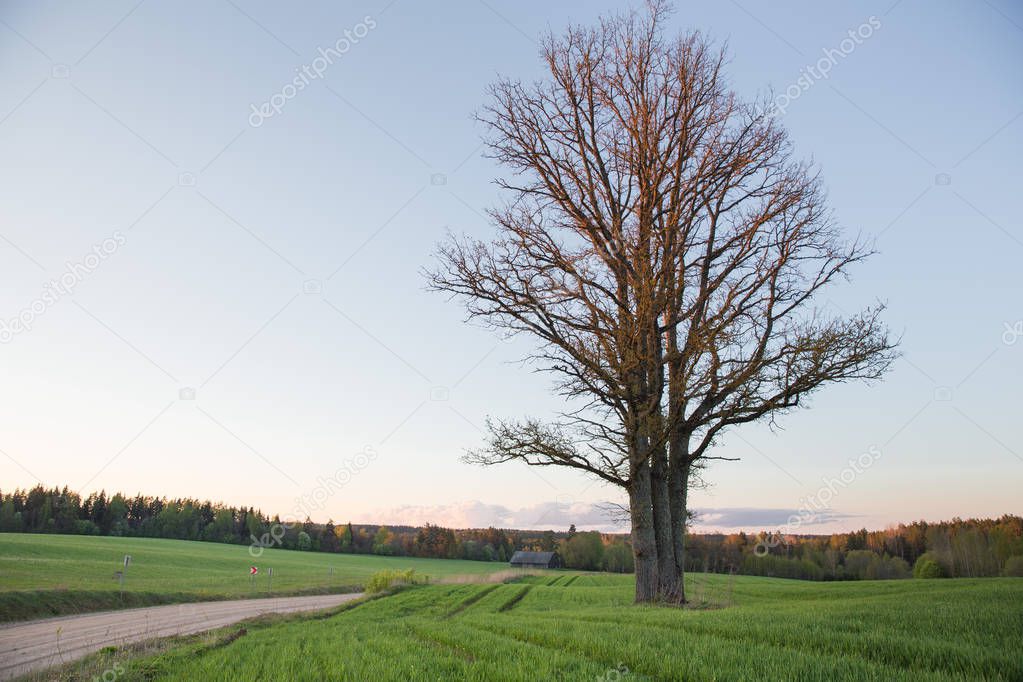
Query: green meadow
[[560, 625], [44, 575], [584, 627]]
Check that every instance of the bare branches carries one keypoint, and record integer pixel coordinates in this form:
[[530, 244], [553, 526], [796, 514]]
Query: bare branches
[[539, 444], [667, 251]]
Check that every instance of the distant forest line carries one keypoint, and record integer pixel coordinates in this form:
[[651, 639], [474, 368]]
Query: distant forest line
[[956, 548]]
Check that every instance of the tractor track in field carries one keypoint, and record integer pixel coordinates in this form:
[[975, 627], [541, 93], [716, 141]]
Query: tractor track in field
[[514, 601], [37, 645], [466, 603]]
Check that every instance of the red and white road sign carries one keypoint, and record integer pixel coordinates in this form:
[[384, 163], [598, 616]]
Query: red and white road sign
[[253, 570]]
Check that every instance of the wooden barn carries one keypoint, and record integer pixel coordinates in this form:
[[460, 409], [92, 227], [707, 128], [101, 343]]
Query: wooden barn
[[535, 560]]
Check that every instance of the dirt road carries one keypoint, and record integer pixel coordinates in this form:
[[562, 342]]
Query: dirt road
[[39, 644]]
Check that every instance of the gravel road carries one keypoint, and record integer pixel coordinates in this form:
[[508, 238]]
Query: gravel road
[[39, 644]]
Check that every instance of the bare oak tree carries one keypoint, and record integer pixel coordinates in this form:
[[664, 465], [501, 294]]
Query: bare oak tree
[[667, 251]]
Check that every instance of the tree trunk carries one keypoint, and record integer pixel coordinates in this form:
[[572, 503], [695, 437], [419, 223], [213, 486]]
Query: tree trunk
[[679, 485], [678, 466], [644, 544], [660, 496]]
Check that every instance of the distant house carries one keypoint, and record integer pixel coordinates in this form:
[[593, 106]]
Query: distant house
[[535, 560]]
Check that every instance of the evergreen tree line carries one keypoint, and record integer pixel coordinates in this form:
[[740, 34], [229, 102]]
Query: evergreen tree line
[[42, 510], [956, 548]]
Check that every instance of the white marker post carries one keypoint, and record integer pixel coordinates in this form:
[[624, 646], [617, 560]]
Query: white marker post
[[123, 572], [270, 577], [252, 578]]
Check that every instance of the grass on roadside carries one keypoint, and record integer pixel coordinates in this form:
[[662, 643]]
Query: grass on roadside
[[587, 628]]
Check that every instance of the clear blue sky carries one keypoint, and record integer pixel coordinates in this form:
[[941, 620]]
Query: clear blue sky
[[275, 269]]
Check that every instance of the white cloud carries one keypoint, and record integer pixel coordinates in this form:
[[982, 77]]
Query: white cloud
[[559, 515], [553, 515], [758, 518]]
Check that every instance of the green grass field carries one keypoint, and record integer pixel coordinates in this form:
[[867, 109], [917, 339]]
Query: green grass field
[[55, 574], [560, 625], [569, 627]]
